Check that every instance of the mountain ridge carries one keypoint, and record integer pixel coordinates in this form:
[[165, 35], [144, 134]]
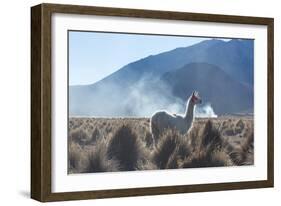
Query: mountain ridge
[[138, 80]]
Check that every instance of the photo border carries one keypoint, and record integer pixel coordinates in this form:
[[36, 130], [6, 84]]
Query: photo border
[[41, 117]]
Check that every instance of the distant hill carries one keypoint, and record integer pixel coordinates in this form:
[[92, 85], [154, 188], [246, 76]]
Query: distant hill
[[215, 68], [215, 86]]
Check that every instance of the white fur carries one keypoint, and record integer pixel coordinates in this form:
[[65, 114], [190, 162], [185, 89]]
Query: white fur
[[163, 120]]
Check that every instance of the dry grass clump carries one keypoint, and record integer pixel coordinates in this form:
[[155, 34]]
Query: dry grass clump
[[122, 151], [170, 149], [211, 137], [126, 144], [95, 135], [98, 160], [244, 153], [74, 157], [79, 136], [127, 149], [207, 159], [201, 148], [208, 151]]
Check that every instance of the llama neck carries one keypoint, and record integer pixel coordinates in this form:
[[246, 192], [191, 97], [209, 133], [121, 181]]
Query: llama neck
[[189, 112]]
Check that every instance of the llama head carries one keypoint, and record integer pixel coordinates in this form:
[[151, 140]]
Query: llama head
[[195, 98]]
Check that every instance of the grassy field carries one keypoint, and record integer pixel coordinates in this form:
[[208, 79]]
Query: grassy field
[[125, 144]]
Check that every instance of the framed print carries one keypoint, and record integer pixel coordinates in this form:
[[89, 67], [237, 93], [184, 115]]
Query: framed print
[[128, 102]]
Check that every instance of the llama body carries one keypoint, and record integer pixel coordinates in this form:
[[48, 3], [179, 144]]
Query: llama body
[[162, 120]]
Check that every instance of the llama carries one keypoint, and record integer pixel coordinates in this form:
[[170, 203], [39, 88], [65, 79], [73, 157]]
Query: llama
[[182, 123]]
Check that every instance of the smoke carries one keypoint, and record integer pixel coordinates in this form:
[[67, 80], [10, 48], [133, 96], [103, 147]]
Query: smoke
[[205, 111], [147, 97], [140, 99]]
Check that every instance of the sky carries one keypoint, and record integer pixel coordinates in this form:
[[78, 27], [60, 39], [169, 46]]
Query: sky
[[95, 55]]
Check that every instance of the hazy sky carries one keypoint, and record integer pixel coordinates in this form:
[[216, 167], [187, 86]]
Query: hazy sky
[[94, 55]]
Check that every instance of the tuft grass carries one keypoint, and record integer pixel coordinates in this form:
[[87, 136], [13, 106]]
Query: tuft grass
[[126, 148], [97, 159], [211, 137], [74, 157], [109, 145], [170, 148]]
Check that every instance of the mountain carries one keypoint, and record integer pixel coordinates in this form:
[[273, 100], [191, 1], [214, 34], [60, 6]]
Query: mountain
[[235, 57], [215, 86], [164, 81]]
